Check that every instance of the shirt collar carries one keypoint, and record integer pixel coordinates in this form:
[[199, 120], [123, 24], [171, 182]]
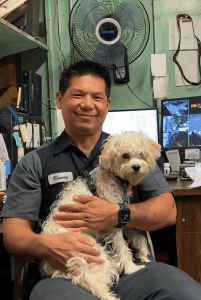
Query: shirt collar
[[63, 141]]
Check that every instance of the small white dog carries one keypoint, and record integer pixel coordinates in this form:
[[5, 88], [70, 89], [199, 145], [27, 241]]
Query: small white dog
[[130, 156]]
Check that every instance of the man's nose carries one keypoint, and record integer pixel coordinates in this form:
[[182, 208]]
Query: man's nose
[[87, 102]]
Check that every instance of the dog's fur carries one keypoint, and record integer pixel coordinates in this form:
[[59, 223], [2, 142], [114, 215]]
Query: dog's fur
[[131, 156]]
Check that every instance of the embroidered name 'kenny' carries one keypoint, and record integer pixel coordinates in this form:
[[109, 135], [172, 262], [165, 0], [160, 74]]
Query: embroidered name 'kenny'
[[62, 177]]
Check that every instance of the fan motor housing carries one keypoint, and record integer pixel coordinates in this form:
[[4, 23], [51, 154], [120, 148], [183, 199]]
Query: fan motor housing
[[108, 31]]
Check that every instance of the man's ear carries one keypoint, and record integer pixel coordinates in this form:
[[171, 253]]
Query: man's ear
[[109, 102], [58, 99]]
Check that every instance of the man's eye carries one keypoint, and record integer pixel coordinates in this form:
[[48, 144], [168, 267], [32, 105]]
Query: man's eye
[[77, 95], [126, 156]]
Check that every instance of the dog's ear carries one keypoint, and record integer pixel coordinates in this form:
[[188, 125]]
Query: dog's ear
[[156, 148], [109, 148]]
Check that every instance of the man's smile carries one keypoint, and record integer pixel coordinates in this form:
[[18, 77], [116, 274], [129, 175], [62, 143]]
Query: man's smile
[[84, 115]]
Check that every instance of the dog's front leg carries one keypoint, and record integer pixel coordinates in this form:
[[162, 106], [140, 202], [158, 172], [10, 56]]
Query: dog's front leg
[[122, 255]]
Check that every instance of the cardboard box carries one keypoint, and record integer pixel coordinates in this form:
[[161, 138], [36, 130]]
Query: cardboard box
[[8, 96], [8, 72]]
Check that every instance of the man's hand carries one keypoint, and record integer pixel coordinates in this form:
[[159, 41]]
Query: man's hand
[[89, 214], [63, 246]]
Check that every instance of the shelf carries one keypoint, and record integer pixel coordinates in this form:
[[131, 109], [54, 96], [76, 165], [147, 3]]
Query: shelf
[[14, 40]]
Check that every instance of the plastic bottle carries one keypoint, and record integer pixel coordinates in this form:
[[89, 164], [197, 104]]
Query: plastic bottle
[[166, 168]]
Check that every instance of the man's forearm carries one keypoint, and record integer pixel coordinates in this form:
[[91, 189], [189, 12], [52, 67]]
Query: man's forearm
[[154, 213], [21, 242]]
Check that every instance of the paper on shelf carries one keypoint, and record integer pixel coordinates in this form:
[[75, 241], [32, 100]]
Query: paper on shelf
[[3, 149], [29, 143], [36, 128], [2, 175]]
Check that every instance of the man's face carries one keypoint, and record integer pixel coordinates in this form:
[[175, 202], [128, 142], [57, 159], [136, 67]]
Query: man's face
[[84, 105]]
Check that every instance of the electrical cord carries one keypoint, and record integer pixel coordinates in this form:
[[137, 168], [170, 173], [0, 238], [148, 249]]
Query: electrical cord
[[14, 113], [48, 106], [133, 92], [62, 55]]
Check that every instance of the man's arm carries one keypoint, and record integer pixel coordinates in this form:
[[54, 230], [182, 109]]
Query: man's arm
[[92, 214], [153, 214], [22, 242]]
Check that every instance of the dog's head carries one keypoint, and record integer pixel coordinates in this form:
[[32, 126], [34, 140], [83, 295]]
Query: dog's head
[[131, 156]]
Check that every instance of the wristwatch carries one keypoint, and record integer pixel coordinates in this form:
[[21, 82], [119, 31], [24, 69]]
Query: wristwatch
[[123, 215]]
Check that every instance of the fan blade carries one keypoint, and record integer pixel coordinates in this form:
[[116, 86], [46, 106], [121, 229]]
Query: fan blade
[[110, 55], [129, 15], [87, 15]]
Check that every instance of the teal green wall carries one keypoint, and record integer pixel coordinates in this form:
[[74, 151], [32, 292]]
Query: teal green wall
[[122, 98], [141, 80]]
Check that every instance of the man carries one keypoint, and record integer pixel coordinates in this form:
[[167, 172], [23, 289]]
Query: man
[[84, 99]]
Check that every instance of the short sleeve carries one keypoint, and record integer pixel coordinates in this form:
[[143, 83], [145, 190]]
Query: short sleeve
[[153, 185], [24, 191]]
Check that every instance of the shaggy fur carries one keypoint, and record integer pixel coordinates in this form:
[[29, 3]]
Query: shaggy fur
[[131, 156]]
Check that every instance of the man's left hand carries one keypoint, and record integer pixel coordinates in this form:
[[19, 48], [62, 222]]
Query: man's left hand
[[89, 214]]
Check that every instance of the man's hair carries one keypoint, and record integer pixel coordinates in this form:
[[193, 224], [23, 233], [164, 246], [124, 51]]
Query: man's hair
[[84, 68]]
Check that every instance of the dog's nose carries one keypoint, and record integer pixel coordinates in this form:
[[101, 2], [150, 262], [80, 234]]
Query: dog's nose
[[136, 168]]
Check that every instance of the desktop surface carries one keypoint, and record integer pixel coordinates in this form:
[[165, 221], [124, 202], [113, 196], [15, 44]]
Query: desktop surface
[[181, 187]]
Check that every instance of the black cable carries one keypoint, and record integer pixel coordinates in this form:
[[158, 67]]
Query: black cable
[[49, 107], [62, 55], [43, 123], [133, 92]]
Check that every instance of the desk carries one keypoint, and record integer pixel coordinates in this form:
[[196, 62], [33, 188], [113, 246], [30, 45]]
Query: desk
[[188, 227]]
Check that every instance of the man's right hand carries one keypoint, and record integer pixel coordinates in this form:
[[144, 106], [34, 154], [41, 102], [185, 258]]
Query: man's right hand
[[59, 248], [20, 241]]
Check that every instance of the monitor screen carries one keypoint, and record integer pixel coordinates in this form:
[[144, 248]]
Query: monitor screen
[[138, 120], [181, 123]]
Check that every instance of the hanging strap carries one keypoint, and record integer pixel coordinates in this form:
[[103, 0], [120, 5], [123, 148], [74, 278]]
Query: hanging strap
[[90, 183], [186, 17]]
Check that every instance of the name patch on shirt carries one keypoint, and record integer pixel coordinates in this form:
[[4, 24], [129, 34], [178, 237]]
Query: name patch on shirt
[[60, 177]]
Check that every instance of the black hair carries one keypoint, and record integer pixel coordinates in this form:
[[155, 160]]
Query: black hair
[[84, 68]]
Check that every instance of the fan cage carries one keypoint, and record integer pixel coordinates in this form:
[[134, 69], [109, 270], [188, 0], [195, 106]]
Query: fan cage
[[135, 30]]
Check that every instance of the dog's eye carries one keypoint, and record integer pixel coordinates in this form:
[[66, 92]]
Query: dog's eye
[[126, 156], [141, 154]]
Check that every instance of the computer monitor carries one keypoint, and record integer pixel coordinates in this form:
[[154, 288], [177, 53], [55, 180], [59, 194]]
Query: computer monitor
[[138, 120], [181, 123]]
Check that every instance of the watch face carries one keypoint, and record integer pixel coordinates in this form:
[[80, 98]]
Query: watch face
[[125, 216]]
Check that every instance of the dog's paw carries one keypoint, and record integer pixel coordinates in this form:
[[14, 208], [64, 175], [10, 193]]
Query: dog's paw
[[142, 258], [132, 268]]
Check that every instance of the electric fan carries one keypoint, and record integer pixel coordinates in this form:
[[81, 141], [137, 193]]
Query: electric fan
[[111, 32]]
